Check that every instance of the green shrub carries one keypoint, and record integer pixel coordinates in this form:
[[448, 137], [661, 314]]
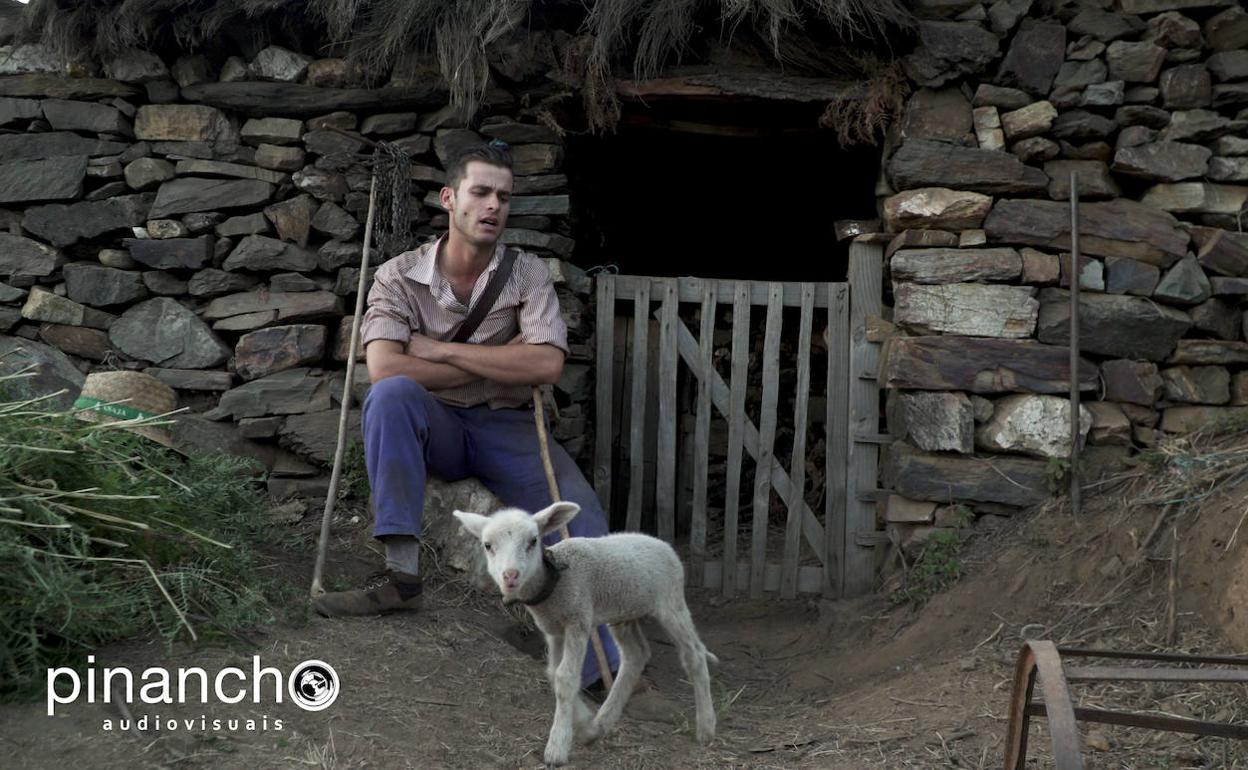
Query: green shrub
[[937, 568], [105, 535]]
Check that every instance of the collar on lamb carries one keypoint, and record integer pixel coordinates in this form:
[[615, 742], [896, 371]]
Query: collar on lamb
[[551, 573]]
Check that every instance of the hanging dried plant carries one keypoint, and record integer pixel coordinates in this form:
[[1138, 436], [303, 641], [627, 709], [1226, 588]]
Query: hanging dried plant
[[863, 113]]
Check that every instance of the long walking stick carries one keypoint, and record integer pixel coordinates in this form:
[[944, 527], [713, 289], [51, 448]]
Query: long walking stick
[[341, 448], [539, 414]]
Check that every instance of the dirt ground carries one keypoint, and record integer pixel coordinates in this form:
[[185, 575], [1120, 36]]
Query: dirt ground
[[802, 684]]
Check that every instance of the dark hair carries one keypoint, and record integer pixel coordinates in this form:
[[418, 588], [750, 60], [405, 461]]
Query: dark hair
[[495, 153]]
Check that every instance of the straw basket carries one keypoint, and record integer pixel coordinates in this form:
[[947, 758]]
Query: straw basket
[[117, 396]]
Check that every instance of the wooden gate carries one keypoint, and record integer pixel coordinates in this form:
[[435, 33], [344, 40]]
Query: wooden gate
[[838, 557]]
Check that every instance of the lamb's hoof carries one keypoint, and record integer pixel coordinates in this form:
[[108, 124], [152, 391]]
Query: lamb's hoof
[[602, 729], [706, 734], [588, 733], [555, 757]]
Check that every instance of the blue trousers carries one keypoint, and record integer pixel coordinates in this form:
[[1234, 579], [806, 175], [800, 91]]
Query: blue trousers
[[408, 434]]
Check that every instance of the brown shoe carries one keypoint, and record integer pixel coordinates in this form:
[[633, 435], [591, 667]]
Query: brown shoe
[[383, 592]]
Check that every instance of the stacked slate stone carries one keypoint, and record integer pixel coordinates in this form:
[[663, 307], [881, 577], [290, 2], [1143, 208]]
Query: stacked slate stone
[[207, 228], [1146, 101]]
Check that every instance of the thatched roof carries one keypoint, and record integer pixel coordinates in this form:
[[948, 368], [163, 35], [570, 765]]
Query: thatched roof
[[377, 33]]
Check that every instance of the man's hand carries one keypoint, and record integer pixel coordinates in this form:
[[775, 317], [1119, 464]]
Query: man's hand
[[389, 358], [432, 350], [425, 348], [514, 363]]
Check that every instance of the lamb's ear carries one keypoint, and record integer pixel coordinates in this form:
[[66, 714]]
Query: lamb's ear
[[474, 523], [555, 516]]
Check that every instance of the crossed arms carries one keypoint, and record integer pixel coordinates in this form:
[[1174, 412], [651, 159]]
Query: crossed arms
[[438, 365]]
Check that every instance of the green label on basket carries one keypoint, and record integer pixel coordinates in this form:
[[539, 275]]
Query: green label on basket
[[111, 409]]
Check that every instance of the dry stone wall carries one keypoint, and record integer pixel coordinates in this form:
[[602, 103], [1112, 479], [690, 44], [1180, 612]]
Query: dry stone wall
[[1146, 102], [206, 227]]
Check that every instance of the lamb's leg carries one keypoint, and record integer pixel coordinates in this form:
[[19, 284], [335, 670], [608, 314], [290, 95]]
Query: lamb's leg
[[634, 653], [582, 715], [554, 654], [566, 681], [643, 642], [693, 656], [583, 726]]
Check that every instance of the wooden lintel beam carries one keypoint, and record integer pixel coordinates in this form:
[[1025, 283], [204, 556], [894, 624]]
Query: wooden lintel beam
[[762, 85]]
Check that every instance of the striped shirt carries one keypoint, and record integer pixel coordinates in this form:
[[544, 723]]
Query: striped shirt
[[409, 295]]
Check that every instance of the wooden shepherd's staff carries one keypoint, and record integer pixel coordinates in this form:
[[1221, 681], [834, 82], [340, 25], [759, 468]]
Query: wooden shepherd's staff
[[539, 414]]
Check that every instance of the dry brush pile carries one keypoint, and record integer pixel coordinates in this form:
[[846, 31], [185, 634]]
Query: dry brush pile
[[106, 536]]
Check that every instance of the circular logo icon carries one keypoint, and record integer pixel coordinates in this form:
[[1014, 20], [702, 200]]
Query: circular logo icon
[[313, 685]]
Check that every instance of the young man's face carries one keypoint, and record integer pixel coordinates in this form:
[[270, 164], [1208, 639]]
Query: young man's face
[[478, 207]]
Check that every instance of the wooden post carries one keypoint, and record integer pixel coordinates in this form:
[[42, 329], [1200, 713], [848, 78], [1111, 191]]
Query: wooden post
[[865, 282], [836, 451]]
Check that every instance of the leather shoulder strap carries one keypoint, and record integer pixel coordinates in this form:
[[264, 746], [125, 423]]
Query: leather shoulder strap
[[485, 303]]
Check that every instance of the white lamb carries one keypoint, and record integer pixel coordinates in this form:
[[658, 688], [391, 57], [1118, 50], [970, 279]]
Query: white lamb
[[578, 583]]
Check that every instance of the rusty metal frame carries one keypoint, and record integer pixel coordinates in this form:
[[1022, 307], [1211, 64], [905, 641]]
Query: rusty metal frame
[[1043, 658]]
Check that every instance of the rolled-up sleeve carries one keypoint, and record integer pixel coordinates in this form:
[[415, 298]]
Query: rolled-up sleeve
[[540, 319], [390, 315]]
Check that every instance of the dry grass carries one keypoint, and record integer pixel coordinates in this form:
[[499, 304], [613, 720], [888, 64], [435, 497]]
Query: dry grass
[[379, 33]]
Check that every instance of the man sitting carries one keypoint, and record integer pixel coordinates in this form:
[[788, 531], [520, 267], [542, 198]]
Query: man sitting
[[459, 409]]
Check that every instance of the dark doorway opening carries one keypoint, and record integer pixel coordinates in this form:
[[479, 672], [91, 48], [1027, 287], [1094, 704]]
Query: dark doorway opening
[[722, 189]]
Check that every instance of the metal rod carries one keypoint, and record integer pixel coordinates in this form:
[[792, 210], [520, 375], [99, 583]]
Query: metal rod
[[1151, 721], [1230, 660], [1152, 674], [1074, 345]]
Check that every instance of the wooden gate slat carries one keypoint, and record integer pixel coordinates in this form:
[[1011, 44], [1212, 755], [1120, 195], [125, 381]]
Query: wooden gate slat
[[837, 448], [864, 407], [637, 432], [766, 439], [665, 472], [604, 347], [808, 578], [736, 429], [691, 289], [797, 466], [621, 397], [702, 434], [811, 528]]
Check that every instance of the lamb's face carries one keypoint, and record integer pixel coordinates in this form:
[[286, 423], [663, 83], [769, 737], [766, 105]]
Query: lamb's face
[[512, 542], [513, 551]]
